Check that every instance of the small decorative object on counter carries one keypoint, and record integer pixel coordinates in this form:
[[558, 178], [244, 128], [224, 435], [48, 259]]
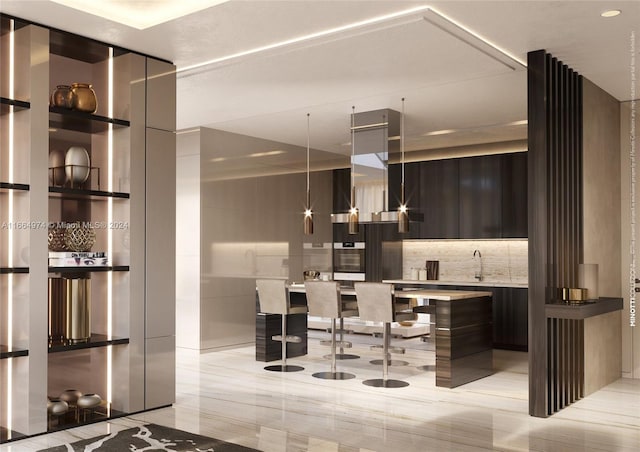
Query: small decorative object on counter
[[572, 295], [77, 165], [84, 97], [422, 274], [414, 273], [62, 97], [432, 269]]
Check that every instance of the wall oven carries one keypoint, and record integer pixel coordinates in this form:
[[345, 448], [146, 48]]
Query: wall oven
[[349, 261]]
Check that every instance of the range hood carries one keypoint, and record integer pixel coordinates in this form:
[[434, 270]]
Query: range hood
[[376, 137]]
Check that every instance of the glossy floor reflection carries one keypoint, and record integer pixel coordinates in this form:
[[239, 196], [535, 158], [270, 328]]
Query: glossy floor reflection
[[228, 395]]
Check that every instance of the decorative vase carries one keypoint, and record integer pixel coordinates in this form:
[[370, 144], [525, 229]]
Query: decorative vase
[[62, 97], [57, 176], [70, 396], [56, 238], [79, 237], [77, 165], [84, 97], [57, 310], [89, 401], [57, 407], [78, 310]]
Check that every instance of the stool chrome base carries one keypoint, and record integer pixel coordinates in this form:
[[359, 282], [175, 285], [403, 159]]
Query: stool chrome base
[[334, 375], [392, 362], [382, 383], [284, 368]]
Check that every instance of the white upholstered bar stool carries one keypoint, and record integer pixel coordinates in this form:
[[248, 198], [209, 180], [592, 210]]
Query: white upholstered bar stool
[[376, 304], [273, 295], [324, 300]]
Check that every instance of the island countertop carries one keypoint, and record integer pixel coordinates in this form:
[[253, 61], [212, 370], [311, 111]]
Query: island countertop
[[440, 282], [432, 294]]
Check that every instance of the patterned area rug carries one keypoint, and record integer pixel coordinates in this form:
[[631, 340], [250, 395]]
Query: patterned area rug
[[149, 438]]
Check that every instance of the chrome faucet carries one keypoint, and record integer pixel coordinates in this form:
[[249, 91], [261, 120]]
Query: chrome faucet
[[478, 274]]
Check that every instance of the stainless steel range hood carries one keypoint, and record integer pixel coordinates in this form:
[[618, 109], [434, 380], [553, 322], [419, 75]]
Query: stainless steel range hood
[[376, 137]]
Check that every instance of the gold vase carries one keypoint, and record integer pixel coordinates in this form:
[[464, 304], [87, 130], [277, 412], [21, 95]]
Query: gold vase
[[84, 97], [78, 310]]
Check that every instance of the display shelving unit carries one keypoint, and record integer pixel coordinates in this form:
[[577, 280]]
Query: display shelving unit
[[123, 138]]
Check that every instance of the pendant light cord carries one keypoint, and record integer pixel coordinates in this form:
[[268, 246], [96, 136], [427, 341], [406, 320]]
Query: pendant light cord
[[402, 139], [308, 142], [353, 153]]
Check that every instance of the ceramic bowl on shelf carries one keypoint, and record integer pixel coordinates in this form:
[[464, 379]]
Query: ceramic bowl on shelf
[[89, 401], [77, 165]]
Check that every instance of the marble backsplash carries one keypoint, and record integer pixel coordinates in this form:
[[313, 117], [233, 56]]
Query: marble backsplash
[[503, 260]]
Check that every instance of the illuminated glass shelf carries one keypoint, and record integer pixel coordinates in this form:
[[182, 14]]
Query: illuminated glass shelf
[[8, 270], [80, 121], [80, 193], [6, 353], [96, 340], [12, 186], [88, 269], [17, 105]]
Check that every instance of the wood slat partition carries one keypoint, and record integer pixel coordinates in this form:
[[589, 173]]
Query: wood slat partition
[[556, 377]]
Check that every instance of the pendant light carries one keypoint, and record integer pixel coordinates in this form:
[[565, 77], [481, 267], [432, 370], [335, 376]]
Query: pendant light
[[308, 213], [354, 225], [403, 215]]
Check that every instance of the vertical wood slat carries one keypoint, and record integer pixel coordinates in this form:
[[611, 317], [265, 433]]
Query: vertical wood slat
[[555, 158]]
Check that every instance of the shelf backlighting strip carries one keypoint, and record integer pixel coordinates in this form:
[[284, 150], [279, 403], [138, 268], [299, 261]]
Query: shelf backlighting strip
[[9, 408], [110, 232]]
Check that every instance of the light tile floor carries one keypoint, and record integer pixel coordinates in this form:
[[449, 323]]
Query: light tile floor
[[227, 395]]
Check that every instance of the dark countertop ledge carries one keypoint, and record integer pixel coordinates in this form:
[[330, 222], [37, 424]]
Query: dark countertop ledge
[[591, 308]]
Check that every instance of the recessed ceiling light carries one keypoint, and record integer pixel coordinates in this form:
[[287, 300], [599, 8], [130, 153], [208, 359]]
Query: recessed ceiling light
[[439, 132], [265, 154], [139, 14], [611, 13]]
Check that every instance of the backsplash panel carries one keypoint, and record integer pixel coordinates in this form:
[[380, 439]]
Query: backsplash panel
[[503, 260]]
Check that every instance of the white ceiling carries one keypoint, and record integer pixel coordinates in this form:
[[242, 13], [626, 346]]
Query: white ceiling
[[450, 81]]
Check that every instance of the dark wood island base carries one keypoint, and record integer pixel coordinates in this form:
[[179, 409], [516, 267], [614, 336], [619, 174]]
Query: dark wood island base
[[464, 341]]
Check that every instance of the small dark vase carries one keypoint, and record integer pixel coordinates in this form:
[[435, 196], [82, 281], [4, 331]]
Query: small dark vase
[[62, 97]]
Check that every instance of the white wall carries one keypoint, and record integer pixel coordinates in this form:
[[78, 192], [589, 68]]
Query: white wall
[[188, 241]]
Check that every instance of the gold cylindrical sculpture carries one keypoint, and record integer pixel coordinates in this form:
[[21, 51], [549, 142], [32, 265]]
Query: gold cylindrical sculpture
[[57, 310], [78, 310]]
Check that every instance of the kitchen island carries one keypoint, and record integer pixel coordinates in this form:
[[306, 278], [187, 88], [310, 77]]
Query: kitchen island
[[463, 336]]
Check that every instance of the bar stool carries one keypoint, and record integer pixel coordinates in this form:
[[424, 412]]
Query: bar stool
[[273, 296], [376, 304], [324, 300], [351, 306]]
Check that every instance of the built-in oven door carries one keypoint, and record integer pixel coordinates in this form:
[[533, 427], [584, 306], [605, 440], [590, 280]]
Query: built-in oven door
[[349, 261]]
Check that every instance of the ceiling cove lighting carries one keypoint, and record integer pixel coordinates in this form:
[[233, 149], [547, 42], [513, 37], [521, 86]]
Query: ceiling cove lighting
[[319, 34], [138, 14], [403, 214], [611, 13], [354, 225], [308, 213]]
